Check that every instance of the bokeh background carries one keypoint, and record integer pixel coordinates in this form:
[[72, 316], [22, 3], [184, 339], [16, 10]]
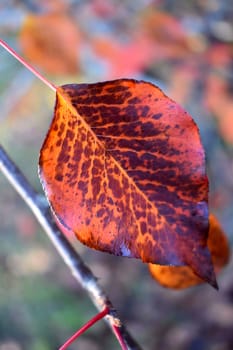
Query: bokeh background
[[185, 47]]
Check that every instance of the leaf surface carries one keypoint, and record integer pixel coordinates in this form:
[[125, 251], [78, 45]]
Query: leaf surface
[[124, 169], [182, 276]]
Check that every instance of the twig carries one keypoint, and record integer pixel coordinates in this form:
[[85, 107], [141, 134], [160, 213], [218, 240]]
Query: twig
[[39, 206]]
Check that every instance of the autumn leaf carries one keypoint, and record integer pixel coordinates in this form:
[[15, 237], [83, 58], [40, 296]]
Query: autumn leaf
[[181, 83], [51, 41], [218, 95], [116, 55], [168, 38], [183, 276], [123, 168]]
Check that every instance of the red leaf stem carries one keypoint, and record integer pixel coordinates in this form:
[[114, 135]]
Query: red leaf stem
[[27, 65], [86, 326]]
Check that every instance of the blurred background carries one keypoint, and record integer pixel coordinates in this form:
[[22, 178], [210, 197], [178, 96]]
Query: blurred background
[[185, 47]]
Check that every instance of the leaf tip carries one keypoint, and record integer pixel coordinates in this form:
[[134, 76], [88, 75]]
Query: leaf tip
[[215, 285], [213, 281], [210, 278]]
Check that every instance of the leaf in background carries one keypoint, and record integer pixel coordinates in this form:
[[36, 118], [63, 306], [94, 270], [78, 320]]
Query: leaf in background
[[181, 83], [183, 276], [124, 169], [51, 41], [116, 55], [169, 37], [218, 89]]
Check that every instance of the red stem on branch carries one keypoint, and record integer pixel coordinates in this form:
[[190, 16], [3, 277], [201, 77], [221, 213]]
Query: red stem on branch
[[119, 337], [85, 327]]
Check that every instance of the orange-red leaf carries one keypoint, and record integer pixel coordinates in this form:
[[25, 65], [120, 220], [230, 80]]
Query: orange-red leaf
[[183, 276], [51, 41], [116, 55], [124, 169]]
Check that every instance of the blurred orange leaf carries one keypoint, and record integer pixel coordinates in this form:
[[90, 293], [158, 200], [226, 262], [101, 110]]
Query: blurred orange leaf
[[183, 276], [51, 41], [218, 99], [124, 169], [218, 95], [116, 55], [168, 37], [181, 82]]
